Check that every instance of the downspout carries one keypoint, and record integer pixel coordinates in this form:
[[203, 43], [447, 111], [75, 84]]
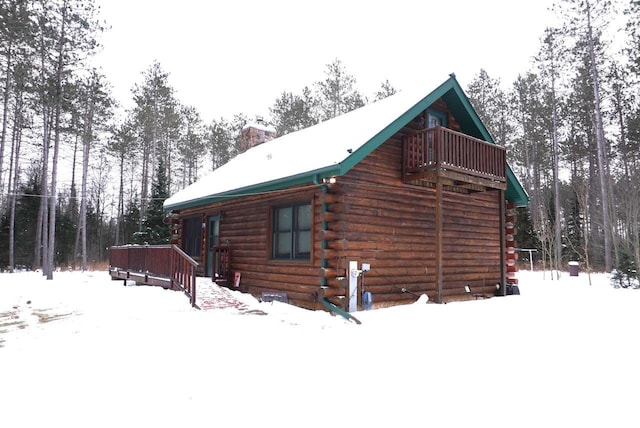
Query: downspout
[[323, 263], [323, 243]]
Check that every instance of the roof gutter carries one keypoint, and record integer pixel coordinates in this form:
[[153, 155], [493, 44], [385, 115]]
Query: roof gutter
[[311, 177]]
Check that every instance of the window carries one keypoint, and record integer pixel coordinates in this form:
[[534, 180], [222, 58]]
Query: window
[[436, 118], [292, 232], [191, 236]]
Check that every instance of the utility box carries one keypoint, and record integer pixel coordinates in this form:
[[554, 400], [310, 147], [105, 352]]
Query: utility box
[[574, 268]]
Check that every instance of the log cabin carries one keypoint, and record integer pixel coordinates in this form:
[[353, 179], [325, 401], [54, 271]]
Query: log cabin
[[403, 197]]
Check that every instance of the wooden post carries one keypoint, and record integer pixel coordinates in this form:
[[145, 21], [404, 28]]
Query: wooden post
[[439, 237], [503, 242]]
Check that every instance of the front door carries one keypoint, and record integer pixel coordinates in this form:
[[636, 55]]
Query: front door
[[213, 240]]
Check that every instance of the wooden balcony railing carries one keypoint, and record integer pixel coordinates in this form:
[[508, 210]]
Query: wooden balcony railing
[[438, 149], [155, 264]]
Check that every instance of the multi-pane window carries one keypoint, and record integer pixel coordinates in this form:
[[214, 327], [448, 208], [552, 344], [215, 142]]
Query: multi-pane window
[[292, 232]]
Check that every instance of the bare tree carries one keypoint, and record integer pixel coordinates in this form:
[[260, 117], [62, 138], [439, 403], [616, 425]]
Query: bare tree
[[95, 104], [580, 16], [549, 60], [582, 190]]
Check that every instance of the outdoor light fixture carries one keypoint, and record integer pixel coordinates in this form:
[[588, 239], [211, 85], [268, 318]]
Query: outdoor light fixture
[[329, 180]]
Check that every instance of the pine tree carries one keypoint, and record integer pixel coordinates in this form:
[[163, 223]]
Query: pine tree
[[633, 32], [337, 94], [491, 104], [157, 121], [219, 141], [190, 146], [549, 61], [26, 213], [154, 229], [292, 112], [15, 35], [530, 148], [585, 19]]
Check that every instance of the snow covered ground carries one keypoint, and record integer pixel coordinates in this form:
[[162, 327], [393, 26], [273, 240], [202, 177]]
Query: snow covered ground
[[83, 351]]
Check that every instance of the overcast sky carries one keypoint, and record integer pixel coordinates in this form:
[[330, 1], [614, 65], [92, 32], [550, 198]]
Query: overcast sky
[[237, 56]]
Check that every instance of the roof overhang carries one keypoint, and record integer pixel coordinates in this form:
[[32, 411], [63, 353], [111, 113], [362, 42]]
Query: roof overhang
[[452, 94]]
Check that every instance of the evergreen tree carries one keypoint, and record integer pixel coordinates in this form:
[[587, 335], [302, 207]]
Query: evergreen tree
[[337, 94], [157, 121], [66, 232], [585, 20], [235, 129], [573, 220], [491, 104], [219, 140], [292, 112], [121, 146], [633, 32], [190, 146], [530, 148], [549, 61], [131, 222], [26, 214], [15, 36], [154, 229]]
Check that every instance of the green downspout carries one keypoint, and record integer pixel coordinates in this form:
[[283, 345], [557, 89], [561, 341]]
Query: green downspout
[[323, 243], [333, 308], [323, 263]]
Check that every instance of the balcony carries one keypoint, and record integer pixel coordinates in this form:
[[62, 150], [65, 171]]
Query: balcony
[[461, 162]]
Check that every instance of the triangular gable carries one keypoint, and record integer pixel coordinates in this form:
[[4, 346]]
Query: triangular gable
[[330, 148]]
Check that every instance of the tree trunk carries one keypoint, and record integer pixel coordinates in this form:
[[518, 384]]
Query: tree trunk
[[556, 175], [120, 218], [601, 144], [56, 145], [15, 172], [5, 114], [86, 146], [74, 197]]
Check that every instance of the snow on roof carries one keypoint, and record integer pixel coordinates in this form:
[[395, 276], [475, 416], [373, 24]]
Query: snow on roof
[[259, 125], [318, 147]]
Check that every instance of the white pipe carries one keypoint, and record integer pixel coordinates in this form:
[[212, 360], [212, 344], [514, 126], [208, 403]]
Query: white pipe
[[354, 273]]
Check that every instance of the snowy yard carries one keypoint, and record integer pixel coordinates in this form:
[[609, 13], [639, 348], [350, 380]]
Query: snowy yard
[[83, 351]]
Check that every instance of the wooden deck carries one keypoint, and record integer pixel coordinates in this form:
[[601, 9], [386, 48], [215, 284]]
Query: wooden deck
[[166, 266], [140, 277]]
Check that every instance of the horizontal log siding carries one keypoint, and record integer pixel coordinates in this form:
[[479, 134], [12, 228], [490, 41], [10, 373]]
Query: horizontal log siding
[[245, 226], [371, 216], [391, 225]]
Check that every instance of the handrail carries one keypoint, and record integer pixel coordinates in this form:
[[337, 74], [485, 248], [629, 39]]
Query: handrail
[[168, 261], [440, 147], [183, 272]]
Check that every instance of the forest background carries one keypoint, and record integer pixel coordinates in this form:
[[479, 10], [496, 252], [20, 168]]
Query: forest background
[[570, 123]]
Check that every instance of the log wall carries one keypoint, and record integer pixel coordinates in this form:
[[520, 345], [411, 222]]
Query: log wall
[[369, 216], [391, 226], [245, 226]]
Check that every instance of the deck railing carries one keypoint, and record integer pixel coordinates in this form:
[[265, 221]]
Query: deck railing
[[221, 264], [167, 261], [439, 147]]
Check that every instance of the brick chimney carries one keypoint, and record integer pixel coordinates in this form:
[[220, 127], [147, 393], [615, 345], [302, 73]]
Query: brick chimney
[[254, 133]]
